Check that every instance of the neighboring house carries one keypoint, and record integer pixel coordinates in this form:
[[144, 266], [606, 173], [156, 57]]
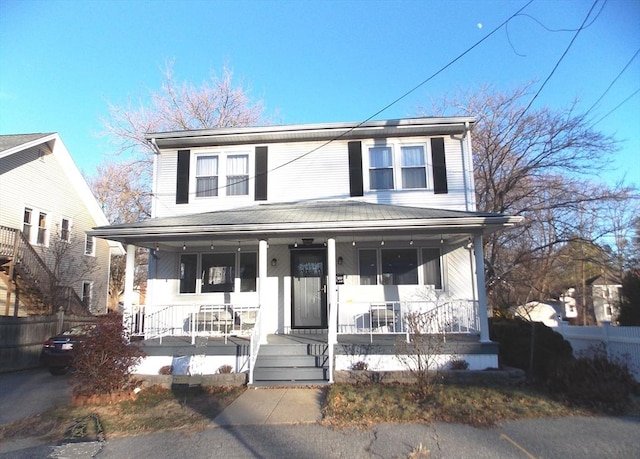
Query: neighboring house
[[605, 294], [330, 230], [46, 209], [549, 312]]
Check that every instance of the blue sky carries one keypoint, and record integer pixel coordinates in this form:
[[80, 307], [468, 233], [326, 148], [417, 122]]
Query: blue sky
[[312, 61]]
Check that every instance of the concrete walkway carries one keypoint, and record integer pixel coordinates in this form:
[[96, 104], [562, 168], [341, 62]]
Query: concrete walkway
[[265, 406]]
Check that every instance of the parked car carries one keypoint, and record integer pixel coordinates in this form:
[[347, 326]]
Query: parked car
[[57, 352]]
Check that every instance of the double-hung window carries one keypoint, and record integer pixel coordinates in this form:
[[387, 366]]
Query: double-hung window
[[26, 223], [237, 175], [89, 245], [65, 230], [42, 238], [380, 168], [414, 168], [206, 176]]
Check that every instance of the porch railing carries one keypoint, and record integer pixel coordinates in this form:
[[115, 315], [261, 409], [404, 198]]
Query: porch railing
[[254, 347], [393, 317]]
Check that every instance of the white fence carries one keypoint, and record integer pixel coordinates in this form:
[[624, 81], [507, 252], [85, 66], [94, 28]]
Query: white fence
[[618, 342]]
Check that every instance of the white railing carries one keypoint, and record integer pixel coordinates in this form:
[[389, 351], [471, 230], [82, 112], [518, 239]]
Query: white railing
[[390, 317], [254, 346], [193, 320]]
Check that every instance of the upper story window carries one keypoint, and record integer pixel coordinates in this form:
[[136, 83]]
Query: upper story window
[[65, 230], [89, 245], [380, 168], [414, 168], [237, 175], [206, 176]]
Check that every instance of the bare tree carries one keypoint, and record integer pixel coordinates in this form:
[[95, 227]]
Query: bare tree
[[542, 164], [123, 186]]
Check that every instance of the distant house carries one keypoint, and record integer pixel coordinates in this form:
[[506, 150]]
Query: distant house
[[549, 312], [335, 231], [605, 295], [49, 261]]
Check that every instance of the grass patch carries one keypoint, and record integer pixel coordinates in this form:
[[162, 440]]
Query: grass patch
[[154, 409], [480, 406]]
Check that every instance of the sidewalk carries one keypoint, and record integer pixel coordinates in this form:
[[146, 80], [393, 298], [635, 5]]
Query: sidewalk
[[266, 406]]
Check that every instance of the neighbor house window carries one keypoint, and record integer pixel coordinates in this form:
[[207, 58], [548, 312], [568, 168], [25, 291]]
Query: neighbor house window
[[65, 230], [89, 245], [218, 272], [87, 293], [237, 175], [248, 271], [206, 176], [26, 223], [368, 261], [380, 168], [432, 268], [42, 229], [414, 169], [399, 266], [188, 272]]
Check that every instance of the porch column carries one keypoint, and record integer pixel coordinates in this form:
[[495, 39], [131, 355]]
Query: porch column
[[482, 288], [333, 301], [262, 288], [129, 272]]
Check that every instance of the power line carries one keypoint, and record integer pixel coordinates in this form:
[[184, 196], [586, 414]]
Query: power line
[[617, 106]]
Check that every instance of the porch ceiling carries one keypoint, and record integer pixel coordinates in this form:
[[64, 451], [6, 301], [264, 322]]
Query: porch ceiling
[[341, 219]]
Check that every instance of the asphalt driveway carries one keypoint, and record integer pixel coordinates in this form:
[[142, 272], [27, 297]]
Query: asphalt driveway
[[31, 392]]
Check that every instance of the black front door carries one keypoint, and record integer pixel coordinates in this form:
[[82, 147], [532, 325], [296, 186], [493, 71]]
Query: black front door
[[309, 288]]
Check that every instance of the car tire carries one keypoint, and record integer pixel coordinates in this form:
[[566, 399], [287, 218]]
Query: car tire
[[57, 371]]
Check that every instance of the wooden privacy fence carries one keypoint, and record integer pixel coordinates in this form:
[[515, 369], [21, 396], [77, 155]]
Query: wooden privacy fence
[[21, 338], [618, 342]]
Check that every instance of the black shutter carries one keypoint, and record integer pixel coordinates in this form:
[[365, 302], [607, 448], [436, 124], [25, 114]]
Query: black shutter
[[182, 177], [261, 174], [439, 166], [355, 169]]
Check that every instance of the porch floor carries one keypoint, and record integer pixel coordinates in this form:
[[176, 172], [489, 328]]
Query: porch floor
[[239, 345]]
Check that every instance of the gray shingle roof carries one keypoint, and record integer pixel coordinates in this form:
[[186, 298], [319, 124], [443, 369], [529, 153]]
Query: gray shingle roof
[[14, 140]]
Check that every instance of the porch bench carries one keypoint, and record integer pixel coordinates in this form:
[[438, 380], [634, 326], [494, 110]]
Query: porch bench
[[213, 319]]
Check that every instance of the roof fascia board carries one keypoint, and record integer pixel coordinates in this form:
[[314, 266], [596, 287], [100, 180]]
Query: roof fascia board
[[25, 146], [311, 132]]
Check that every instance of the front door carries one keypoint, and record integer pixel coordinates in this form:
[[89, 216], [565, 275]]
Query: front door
[[309, 289]]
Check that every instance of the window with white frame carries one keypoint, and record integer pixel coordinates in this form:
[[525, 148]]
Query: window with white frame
[[237, 175], [219, 272], [89, 245], [400, 266], [65, 229], [381, 168], [188, 272], [206, 176], [26, 223], [87, 293], [43, 229], [414, 167], [432, 268]]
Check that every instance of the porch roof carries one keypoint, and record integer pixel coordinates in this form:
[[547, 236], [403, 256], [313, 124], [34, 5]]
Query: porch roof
[[298, 219]]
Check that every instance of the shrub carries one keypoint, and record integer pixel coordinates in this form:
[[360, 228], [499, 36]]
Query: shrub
[[359, 366], [458, 364], [166, 370], [630, 301], [550, 349], [225, 369], [103, 361], [595, 381]]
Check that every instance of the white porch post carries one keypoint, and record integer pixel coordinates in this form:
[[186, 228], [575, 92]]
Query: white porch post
[[127, 296], [332, 298], [262, 288], [482, 288]]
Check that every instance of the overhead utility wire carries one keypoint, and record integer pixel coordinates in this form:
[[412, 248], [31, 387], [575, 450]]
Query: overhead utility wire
[[613, 82], [398, 99], [515, 123], [617, 106]]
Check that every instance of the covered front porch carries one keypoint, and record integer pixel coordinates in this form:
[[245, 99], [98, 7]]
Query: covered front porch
[[327, 270]]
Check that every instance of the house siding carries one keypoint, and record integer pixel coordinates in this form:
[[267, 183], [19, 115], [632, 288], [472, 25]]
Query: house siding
[[35, 178], [300, 171]]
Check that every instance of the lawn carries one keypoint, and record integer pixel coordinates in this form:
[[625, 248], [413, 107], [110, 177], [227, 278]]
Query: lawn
[[157, 409]]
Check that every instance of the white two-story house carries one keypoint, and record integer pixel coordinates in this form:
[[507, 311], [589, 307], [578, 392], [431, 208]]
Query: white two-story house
[[329, 230]]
